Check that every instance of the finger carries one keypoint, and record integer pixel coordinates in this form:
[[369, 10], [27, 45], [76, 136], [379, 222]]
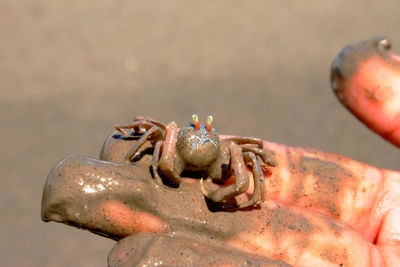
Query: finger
[[90, 194], [366, 79], [388, 236], [147, 249]]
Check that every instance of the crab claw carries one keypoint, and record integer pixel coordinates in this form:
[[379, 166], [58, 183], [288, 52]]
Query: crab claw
[[203, 190], [216, 195]]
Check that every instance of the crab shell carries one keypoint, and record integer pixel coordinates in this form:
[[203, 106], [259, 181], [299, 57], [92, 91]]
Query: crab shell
[[198, 148]]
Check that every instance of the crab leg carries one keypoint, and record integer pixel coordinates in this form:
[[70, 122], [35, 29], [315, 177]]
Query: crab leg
[[258, 176], [267, 159], [152, 121], [131, 153], [167, 160], [246, 140], [241, 182], [134, 125], [156, 158]]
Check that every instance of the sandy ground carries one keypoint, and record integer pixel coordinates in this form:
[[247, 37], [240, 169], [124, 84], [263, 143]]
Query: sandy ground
[[70, 70]]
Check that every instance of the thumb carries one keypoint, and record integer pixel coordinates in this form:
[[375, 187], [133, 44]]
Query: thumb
[[366, 79]]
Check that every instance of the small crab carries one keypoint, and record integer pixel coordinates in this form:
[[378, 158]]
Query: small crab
[[199, 148]]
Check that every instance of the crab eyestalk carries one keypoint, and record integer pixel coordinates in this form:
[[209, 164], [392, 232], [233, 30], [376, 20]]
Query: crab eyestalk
[[196, 122], [209, 121]]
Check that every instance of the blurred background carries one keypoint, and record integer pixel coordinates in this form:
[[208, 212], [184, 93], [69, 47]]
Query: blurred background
[[70, 70]]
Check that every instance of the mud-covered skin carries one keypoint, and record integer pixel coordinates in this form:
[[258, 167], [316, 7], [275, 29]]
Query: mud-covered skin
[[118, 200], [366, 79], [148, 249], [199, 148], [348, 61]]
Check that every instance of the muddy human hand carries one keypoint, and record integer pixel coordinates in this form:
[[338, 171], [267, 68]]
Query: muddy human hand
[[321, 209]]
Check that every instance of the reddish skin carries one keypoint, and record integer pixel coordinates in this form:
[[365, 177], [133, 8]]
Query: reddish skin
[[366, 79]]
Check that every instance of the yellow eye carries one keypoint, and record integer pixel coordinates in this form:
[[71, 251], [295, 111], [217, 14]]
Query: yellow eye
[[196, 121], [209, 122]]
